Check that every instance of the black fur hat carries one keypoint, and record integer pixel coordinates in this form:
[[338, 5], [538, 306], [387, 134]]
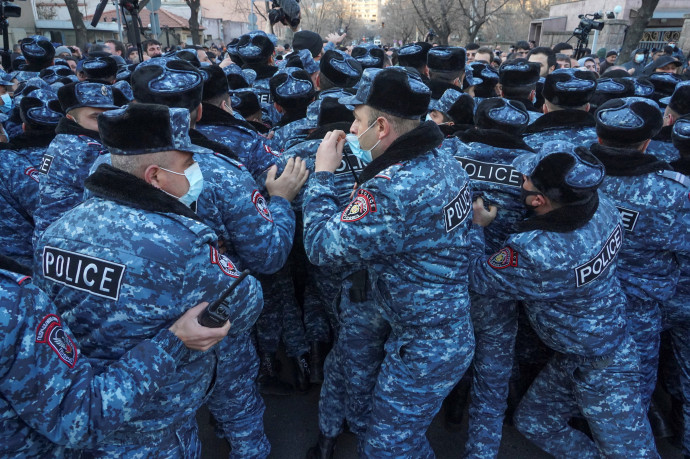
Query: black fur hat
[[506, 115], [488, 76], [340, 68], [99, 68], [664, 84], [612, 88], [255, 47], [38, 52], [54, 73], [369, 55], [569, 87], [306, 39], [679, 102], [34, 110], [446, 59], [681, 134], [139, 129], [292, 86], [566, 173], [245, 102], [457, 105], [392, 90], [88, 94], [519, 72], [215, 81], [170, 82], [414, 54], [628, 120]]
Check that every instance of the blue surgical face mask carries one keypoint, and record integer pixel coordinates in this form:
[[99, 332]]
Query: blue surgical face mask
[[196, 184], [639, 58], [7, 103], [353, 141], [428, 117]]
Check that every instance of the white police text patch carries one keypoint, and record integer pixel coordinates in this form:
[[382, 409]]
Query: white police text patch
[[629, 218], [586, 273], [46, 161], [490, 172], [83, 272], [457, 210]]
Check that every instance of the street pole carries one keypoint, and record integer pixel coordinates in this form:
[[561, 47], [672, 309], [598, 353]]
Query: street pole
[[119, 21]]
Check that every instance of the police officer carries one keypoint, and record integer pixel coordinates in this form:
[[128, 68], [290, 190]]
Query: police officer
[[292, 91], [19, 174], [567, 93], [453, 112], [115, 281], [368, 55], [68, 159], [218, 124], [492, 147], [52, 395], [446, 69], [575, 305], [39, 54], [256, 51], [303, 59], [677, 105], [489, 79], [414, 55], [518, 81], [408, 224], [676, 313], [655, 229]]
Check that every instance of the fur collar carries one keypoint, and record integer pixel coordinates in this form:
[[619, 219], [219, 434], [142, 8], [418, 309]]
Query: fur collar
[[563, 219], [288, 118], [67, 126], [11, 265], [665, 134], [682, 165], [417, 142], [263, 71], [529, 105], [494, 138], [625, 162], [449, 130], [560, 119], [34, 139], [119, 186], [200, 140], [439, 87], [215, 116], [321, 131]]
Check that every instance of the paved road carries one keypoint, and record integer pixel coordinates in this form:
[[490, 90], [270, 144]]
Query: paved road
[[291, 426]]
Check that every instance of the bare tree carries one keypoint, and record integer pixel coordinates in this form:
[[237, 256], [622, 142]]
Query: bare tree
[[636, 28], [437, 16], [478, 13], [194, 7], [77, 22], [401, 21]]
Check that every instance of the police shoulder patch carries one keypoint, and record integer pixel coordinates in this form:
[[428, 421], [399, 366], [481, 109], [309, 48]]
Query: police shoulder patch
[[261, 205], [270, 151], [676, 177], [359, 207], [504, 258], [50, 332], [224, 263], [32, 173]]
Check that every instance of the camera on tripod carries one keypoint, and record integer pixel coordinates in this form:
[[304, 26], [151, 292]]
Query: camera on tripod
[[588, 24]]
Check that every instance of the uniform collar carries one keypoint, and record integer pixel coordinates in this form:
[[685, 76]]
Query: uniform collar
[[562, 119], [627, 162], [69, 127], [494, 138], [562, 220]]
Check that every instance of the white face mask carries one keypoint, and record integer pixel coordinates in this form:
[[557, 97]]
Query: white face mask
[[196, 184]]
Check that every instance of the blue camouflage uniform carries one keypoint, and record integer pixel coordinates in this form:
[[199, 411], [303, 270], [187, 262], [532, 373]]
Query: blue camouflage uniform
[[492, 177], [574, 126], [141, 279], [255, 151], [51, 394], [576, 306], [411, 200], [19, 179]]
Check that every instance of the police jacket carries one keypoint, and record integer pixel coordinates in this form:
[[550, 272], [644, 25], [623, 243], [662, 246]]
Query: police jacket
[[290, 132], [408, 222], [64, 167], [51, 394], [255, 151], [574, 126], [488, 162], [661, 145], [563, 265], [19, 177], [262, 89], [124, 265], [655, 207], [677, 308]]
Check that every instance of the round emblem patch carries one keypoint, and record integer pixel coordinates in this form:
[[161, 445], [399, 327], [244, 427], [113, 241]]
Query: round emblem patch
[[361, 205], [504, 258], [224, 263], [261, 205], [50, 331]]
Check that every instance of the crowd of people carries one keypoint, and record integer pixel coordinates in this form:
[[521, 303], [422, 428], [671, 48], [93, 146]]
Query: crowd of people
[[510, 241]]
